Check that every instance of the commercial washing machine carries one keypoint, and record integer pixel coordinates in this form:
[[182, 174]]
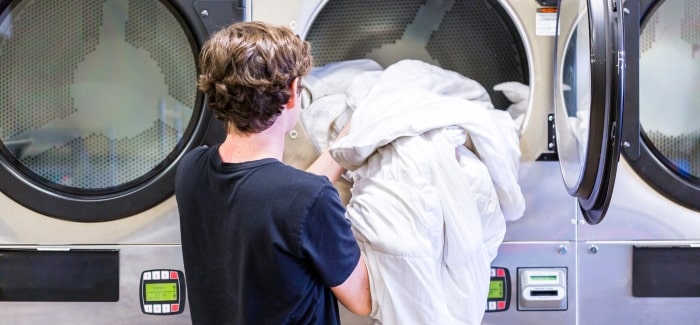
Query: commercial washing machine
[[98, 105], [640, 264], [597, 123], [491, 42]]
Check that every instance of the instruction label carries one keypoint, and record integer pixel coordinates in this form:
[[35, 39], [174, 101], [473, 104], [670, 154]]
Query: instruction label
[[546, 22]]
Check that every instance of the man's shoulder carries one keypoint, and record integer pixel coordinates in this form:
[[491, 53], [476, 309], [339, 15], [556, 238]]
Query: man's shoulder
[[287, 173], [188, 163], [196, 152]]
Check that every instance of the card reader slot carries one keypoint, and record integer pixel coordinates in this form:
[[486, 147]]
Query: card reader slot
[[542, 288], [544, 293]]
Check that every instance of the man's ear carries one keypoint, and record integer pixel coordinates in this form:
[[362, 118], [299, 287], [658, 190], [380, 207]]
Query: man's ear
[[294, 93]]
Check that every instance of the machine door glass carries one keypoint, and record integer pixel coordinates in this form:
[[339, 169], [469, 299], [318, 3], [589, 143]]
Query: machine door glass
[[668, 156], [97, 104], [588, 100]]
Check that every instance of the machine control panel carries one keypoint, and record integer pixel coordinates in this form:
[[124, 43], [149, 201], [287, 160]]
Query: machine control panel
[[542, 288], [499, 290], [162, 292]]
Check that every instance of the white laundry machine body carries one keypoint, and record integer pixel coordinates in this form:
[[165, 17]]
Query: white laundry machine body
[[491, 42], [561, 263], [98, 105], [640, 264]]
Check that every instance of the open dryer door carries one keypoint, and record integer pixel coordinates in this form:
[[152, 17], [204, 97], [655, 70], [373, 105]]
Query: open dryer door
[[588, 100]]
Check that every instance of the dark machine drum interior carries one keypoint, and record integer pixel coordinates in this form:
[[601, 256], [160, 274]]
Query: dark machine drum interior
[[474, 38]]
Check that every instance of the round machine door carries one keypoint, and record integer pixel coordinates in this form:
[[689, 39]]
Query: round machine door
[[479, 39], [666, 145], [98, 103], [476, 38], [588, 88]]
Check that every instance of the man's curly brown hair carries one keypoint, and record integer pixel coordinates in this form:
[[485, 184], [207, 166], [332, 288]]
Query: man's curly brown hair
[[246, 71]]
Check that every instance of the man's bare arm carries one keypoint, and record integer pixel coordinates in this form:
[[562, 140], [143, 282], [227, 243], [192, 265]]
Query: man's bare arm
[[354, 293]]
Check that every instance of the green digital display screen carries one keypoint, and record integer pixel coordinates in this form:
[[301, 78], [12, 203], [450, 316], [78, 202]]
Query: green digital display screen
[[543, 277], [160, 291], [496, 289]]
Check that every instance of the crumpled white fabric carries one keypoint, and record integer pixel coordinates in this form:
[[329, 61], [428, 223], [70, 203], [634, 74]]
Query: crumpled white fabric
[[519, 94], [428, 213], [324, 108]]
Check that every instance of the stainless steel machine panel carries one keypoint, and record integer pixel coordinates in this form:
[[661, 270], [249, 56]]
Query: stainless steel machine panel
[[134, 259], [515, 255], [638, 212], [605, 288], [550, 213]]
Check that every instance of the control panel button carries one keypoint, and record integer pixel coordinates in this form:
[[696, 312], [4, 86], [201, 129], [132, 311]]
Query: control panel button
[[500, 305], [499, 290], [162, 292]]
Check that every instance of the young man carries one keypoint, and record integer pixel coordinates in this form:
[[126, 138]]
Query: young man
[[263, 242]]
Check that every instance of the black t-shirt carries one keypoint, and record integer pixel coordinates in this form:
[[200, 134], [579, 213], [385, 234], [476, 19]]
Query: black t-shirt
[[262, 241]]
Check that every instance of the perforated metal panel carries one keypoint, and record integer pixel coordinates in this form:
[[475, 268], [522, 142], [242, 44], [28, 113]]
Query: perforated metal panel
[[649, 36], [690, 23], [473, 37], [478, 41], [347, 30], [94, 94]]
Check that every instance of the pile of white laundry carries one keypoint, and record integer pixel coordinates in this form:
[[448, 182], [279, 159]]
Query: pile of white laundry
[[434, 169]]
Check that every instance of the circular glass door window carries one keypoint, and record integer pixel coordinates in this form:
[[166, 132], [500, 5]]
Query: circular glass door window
[[669, 105], [574, 97], [96, 100], [588, 105]]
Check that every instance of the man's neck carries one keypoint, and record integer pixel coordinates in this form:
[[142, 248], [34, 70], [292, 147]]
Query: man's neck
[[242, 147]]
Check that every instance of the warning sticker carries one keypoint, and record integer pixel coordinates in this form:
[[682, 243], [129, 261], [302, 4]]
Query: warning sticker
[[546, 23]]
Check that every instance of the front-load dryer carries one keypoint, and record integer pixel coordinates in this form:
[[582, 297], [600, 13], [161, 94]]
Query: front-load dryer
[[640, 264], [489, 41], [98, 104]]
